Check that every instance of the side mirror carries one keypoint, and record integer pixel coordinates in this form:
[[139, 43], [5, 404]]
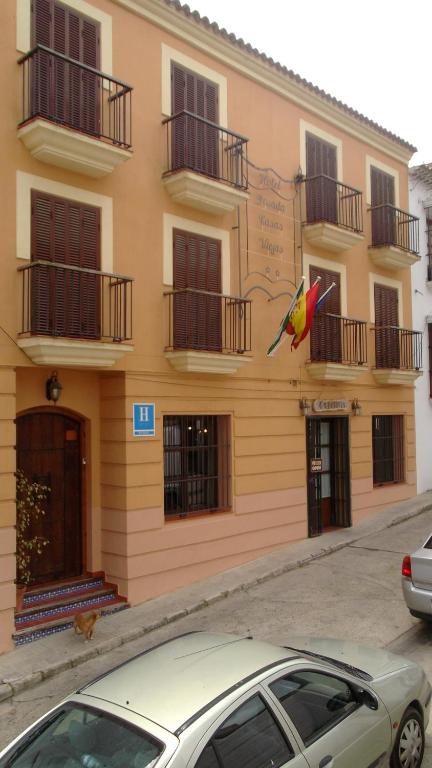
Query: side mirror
[[366, 698]]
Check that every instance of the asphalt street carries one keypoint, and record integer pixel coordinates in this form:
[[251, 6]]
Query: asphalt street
[[352, 593]]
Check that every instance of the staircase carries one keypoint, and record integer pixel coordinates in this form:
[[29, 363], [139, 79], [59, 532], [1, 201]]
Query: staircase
[[48, 609]]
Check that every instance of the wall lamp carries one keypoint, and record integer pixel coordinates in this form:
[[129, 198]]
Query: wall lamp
[[53, 387], [356, 407], [305, 407]]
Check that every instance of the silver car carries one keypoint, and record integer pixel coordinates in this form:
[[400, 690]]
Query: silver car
[[417, 581], [219, 701]]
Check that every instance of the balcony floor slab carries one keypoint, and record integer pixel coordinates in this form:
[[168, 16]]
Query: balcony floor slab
[[68, 148], [331, 237], [391, 257], [198, 191], [76, 353], [194, 361], [395, 376], [327, 371]]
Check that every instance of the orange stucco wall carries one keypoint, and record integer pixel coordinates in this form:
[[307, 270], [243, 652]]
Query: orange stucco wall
[[126, 534]]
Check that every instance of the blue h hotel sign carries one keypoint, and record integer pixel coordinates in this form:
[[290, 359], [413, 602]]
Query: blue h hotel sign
[[143, 419]]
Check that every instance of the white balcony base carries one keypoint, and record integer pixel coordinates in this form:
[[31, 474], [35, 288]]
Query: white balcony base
[[198, 191], [68, 148], [324, 371], [331, 237], [395, 376], [60, 352], [390, 257], [192, 361]]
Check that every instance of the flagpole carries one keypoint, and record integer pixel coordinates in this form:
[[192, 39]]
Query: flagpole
[[280, 336], [321, 298]]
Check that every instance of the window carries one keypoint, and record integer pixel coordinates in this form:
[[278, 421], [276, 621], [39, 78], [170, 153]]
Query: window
[[387, 449], [315, 702], [383, 211], [249, 738], [196, 464], [321, 188], [61, 90], [79, 735], [429, 240], [64, 302], [197, 314], [195, 141]]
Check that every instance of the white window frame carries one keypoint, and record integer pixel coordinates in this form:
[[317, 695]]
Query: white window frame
[[170, 223], [26, 182], [317, 262], [305, 128], [372, 162], [170, 55], [23, 31]]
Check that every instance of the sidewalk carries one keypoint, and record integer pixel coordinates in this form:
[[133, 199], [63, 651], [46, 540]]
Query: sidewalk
[[30, 664]]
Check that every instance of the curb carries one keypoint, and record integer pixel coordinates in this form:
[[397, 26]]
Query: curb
[[9, 686]]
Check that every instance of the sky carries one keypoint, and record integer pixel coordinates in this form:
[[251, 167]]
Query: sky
[[374, 55]]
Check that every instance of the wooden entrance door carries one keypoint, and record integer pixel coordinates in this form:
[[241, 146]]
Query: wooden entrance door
[[49, 452], [321, 171], [194, 142], [325, 334], [197, 314], [387, 350], [329, 501]]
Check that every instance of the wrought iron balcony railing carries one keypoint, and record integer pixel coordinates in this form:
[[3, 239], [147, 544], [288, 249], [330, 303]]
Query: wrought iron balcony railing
[[194, 143], [212, 322], [330, 201], [398, 348], [391, 226], [61, 300], [337, 339], [75, 95]]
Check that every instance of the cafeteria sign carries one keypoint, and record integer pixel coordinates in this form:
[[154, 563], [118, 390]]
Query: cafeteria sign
[[330, 405]]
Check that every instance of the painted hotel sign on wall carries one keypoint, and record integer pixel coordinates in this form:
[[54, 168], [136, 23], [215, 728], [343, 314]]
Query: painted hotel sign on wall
[[143, 419], [268, 225]]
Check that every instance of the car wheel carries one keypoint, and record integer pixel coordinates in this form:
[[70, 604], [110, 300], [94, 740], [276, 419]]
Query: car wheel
[[410, 742]]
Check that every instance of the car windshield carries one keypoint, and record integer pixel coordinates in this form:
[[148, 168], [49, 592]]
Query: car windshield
[[76, 736], [336, 663]]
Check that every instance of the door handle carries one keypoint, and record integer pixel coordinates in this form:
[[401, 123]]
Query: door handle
[[326, 761]]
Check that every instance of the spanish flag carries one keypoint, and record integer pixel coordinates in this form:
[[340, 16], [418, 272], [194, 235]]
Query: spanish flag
[[282, 330], [302, 315]]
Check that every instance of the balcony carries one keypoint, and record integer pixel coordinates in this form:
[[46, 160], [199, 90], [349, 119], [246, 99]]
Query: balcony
[[208, 332], [72, 316], [398, 355], [334, 219], [74, 116], [338, 348], [206, 165], [395, 237]]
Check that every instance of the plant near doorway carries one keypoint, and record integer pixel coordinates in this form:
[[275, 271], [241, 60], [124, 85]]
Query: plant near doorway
[[30, 498]]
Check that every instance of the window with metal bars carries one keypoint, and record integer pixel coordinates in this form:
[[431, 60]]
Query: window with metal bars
[[197, 475], [387, 449]]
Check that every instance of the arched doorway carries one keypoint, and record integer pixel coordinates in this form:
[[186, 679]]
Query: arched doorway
[[49, 452]]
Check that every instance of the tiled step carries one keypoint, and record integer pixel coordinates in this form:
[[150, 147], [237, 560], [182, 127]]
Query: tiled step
[[30, 634], [49, 609]]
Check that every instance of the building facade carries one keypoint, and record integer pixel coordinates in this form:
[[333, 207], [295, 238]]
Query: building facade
[[164, 188], [420, 185]]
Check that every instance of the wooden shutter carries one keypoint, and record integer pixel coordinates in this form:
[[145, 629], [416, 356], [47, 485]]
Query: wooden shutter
[[321, 192], [197, 317], [194, 144], [387, 354], [64, 302], [63, 92], [383, 218], [325, 336]]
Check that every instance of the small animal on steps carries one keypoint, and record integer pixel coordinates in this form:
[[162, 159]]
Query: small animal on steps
[[84, 623]]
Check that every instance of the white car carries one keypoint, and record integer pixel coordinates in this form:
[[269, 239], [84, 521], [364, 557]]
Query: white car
[[417, 581], [220, 701]]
